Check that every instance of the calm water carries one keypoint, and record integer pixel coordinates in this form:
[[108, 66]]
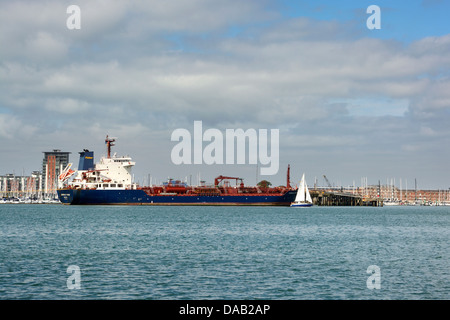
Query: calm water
[[223, 252]]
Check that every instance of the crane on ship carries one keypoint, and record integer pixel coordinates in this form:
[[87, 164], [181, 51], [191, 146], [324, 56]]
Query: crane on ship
[[220, 178]]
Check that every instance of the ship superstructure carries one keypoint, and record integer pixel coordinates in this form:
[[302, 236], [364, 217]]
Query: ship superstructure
[[111, 173]]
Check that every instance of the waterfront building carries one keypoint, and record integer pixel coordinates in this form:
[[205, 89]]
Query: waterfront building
[[12, 186], [53, 164]]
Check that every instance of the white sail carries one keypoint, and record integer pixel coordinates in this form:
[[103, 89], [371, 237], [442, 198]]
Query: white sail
[[308, 195], [303, 196], [301, 191]]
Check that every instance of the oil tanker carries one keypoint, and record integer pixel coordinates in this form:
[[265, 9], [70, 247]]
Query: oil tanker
[[110, 182]]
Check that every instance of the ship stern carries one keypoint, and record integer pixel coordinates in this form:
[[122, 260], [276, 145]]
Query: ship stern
[[66, 196]]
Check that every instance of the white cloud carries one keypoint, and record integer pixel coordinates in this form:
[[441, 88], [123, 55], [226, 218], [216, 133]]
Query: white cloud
[[44, 47], [67, 106], [12, 128]]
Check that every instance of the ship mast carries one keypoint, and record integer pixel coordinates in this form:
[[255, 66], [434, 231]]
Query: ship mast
[[288, 178], [109, 143]]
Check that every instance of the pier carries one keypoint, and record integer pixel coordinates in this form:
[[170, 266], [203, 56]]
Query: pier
[[332, 198]]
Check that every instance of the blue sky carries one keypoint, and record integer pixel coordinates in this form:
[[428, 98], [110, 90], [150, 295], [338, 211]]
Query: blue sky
[[349, 102], [401, 20]]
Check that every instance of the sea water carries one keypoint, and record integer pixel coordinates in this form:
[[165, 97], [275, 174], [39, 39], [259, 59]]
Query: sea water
[[248, 253]]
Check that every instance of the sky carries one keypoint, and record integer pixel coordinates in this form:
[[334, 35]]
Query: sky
[[348, 102]]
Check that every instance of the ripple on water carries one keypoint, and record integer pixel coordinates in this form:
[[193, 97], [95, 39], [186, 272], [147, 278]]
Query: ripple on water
[[223, 253]]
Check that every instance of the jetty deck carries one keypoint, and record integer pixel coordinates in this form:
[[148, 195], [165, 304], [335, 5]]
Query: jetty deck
[[332, 198]]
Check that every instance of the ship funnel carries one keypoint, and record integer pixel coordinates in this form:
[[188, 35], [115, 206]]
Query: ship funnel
[[86, 160]]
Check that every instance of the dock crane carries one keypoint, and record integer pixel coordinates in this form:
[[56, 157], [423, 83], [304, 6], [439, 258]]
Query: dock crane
[[328, 182]]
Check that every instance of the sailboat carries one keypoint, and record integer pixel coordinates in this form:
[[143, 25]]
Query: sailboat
[[303, 198]]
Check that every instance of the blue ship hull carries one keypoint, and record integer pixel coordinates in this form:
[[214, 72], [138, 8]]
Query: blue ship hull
[[139, 197]]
